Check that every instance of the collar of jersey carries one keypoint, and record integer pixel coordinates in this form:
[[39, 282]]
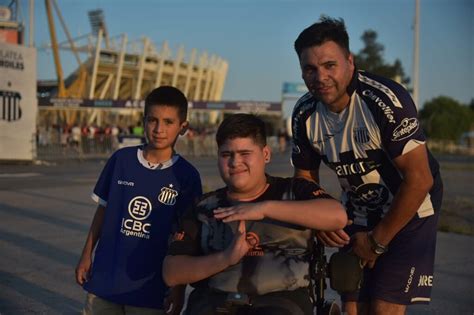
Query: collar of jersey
[[153, 166]]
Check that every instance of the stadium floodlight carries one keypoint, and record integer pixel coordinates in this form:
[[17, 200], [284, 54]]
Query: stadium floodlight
[[97, 22]]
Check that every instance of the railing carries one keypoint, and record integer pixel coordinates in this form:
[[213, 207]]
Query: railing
[[103, 146]]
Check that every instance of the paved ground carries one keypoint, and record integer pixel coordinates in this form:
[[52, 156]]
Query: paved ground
[[45, 212]]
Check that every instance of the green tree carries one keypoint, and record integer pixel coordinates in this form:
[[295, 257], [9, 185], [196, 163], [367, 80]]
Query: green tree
[[444, 118], [370, 58]]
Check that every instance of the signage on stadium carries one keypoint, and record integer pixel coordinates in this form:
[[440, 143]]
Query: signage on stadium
[[246, 106]]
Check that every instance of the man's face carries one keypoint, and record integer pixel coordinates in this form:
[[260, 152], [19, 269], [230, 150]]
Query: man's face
[[327, 71], [162, 127], [241, 164]]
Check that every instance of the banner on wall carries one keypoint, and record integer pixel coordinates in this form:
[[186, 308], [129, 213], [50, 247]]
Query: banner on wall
[[18, 103]]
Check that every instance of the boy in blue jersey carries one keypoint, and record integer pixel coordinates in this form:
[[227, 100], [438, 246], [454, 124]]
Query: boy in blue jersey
[[140, 192]]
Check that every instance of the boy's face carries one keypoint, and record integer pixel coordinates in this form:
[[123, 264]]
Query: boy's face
[[241, 164], [162, 127]]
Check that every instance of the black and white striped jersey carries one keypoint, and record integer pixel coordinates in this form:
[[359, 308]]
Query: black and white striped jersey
[[360, 143]]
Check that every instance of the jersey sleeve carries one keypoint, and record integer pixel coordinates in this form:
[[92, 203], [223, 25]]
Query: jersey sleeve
[[101, 190], [302, 155], [305, 190], [395, 114], [185, 240], [191, 192]]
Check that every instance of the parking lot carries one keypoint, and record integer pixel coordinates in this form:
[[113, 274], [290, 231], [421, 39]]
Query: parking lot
[[46, 209]]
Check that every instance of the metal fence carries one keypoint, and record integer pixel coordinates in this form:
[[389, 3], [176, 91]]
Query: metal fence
[[104, 146]]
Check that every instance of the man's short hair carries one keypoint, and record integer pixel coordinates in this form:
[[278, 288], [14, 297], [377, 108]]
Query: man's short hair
[[326, 29], [168, 96], [242, 126]]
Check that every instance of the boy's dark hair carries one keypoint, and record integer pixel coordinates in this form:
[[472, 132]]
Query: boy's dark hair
[[168, 96], [242, 126], [326, 29]]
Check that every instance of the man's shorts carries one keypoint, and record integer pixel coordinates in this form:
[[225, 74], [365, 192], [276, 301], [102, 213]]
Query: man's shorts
[[204, 301], [98, 306], [403, 275]]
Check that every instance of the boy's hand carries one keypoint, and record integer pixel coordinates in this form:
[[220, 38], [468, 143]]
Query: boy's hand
[[239, 246], [82, 269], [337, 238], [247, 211]]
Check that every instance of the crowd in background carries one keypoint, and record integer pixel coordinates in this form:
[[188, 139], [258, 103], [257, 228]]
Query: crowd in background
[[65, 141]]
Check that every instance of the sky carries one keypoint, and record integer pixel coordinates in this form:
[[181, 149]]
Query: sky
[[256, 37]]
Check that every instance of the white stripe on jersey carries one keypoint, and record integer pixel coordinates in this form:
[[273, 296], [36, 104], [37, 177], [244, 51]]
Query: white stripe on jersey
[[382, 88], [420, 299]]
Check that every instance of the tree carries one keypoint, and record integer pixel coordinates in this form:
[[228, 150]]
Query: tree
[[370, 58], [444, 118]]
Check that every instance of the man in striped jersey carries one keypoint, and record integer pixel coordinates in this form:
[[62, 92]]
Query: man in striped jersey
[[365, 128]]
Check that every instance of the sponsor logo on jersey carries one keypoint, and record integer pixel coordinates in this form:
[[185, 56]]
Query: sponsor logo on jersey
[[253, 241], [298, 112], [425, 281], [369, 195], [125, 183], [356, 168], [361, 135], [296, 149], [168, 195], [387, 111], [139, 209], [10, 109], [383, 88], [407, 128], [410, 279]]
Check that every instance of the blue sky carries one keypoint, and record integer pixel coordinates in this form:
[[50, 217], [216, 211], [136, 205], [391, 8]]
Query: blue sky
[[256, 36]]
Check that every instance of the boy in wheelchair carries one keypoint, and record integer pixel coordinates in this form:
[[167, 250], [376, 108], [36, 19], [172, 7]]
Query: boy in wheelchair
[[246, 248]]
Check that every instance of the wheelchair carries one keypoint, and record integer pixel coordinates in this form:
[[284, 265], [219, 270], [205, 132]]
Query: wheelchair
[[343, 271]]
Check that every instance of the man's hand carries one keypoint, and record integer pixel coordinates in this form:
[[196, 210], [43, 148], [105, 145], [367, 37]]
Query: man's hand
[[361, 247], [247, 211], [174, 302], [82, 269], [239, 246]]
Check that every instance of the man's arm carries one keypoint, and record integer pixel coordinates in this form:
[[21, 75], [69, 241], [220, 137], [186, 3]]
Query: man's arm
[[184, 269], [85, 262], [416, 183], [311, 175]]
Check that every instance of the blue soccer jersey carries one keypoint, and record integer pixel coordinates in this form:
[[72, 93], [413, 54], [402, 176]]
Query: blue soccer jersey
[[360, 143], [142, 201]]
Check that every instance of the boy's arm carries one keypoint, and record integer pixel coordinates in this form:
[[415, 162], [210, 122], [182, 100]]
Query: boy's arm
[[184, 269], [84, 264], [319, 214]]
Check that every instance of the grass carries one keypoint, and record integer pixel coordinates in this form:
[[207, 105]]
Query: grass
[[453, 166], [457, 216]]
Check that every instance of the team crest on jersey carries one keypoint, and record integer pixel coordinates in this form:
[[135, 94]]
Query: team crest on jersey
[[168, 195], [361, 135]]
